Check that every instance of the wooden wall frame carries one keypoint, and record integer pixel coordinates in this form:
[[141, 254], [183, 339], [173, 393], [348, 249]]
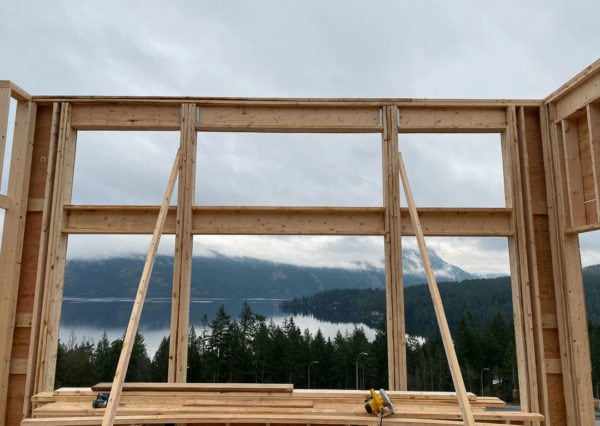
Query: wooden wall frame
[[551, 165]]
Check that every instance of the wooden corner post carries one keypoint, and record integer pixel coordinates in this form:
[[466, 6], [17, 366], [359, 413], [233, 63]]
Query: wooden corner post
[[12, 244], [56, 253]]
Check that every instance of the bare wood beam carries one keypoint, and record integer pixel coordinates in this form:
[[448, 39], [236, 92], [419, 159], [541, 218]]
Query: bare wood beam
[[40, 278], [182, 262], [136, 312], [4, 202], [289, 102], [574, 182], [289, 119], [16, 92], [56, 252], [117, 116], [396, 334], [451, 119], [576, 93], [485, 222], [593, 117], [4, 110], [440, 314], [522, 259], [11, 247]]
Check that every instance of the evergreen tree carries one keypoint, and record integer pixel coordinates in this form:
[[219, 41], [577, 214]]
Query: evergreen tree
[[104, 361], [469, 351], [194, 367], [217, 358], [160, 362], [341, 377], [139, 368], [76, 364], [261, 350], [378, 355]]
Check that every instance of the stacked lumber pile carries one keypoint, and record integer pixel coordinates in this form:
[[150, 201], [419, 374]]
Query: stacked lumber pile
[[191, 403]]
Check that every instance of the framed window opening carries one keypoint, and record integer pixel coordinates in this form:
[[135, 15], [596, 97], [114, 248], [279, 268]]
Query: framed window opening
[[118, 167], [468, 166], [288, 169]]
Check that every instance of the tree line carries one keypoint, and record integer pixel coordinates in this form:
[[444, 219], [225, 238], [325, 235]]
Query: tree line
[[250, 349]]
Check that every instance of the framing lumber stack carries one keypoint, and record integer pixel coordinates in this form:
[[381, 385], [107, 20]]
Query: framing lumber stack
[[188, 403], [551, 165]]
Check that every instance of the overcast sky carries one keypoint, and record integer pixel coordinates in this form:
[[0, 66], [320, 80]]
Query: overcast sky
[[421, 49]]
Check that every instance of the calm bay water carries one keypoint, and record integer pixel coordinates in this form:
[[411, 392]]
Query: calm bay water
[[87, 319]]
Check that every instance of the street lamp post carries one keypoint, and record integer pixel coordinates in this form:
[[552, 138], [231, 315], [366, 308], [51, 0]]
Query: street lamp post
[[481, 376], [357, 358], [311, 363]]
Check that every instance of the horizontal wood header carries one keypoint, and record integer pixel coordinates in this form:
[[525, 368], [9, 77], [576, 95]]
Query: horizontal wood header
[[307, 118], [288, 220]]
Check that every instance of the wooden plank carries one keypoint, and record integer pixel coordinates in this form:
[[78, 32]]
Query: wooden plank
[[549, 320], [553, 366], [12, 239], [289, 119], [575, 358], [452, 119], [289, 102], [51, 304], [578, 97], [581, 78], [446, 222], [587, 171], [4, 202], [289, 220], [182, 262], [198, 412], [528, 178], [396, 338], [457, 379], [23, 319], [35, 205], [18, 366], [561, 396], [15, 399], [119, 116], [211, 418], [138, 304], [593, 117], [15, 91], [51, 140], [276, 388], [574, 181], [579, 370], [4, 113]]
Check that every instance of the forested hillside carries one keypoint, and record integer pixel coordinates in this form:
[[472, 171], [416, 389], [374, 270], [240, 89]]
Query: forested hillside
[[250, 349], [482, 297], [239, 277]]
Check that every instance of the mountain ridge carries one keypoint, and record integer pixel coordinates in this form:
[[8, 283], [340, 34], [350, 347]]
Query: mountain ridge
[[222, 276]]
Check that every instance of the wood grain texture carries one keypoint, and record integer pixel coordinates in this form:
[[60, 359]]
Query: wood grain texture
[[440, 314], [138, 304], [12, 240]]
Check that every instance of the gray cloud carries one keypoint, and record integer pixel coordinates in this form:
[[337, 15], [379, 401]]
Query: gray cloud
[[429, 48]]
